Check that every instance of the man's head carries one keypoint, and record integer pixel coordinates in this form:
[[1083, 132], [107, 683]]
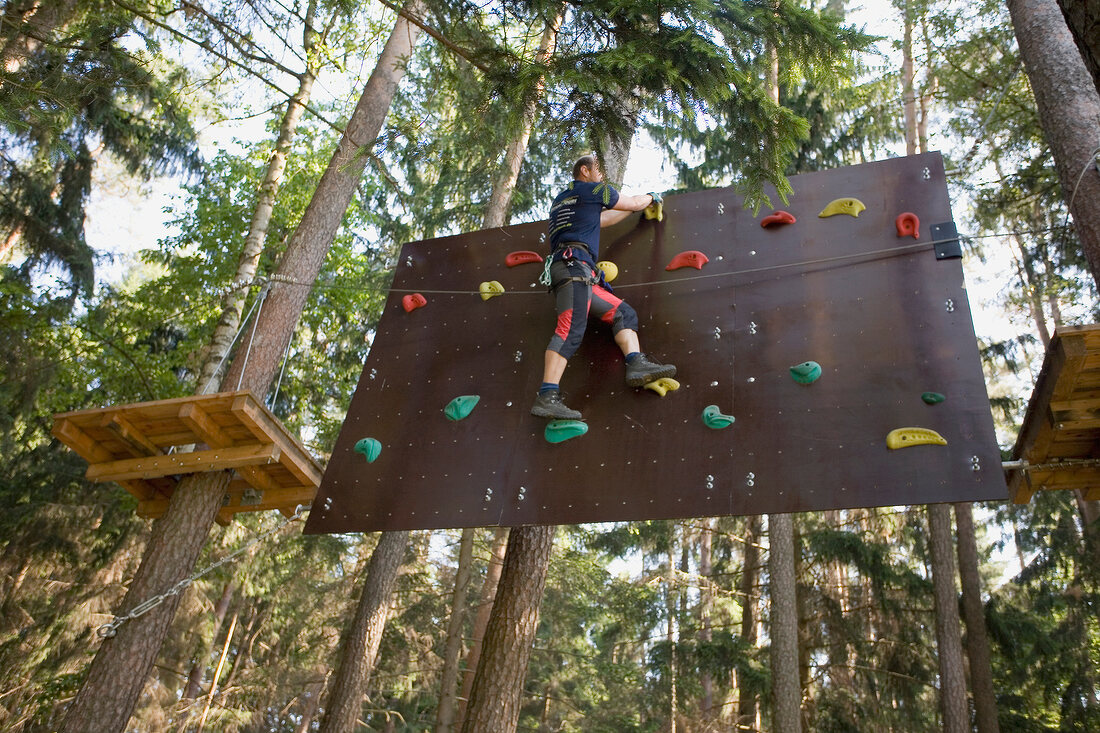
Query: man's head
[[587, 169]]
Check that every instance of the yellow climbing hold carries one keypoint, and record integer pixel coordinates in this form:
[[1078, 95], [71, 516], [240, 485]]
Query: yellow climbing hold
[[848, 205], [663, 386], [490, 289], [610, 271], [906, 437]]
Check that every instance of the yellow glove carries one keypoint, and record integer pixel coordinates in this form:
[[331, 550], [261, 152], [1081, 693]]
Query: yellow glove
[[656, 210]]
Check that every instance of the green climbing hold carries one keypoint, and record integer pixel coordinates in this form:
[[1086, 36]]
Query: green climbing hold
[[461, 407], [558, 431], [714, 419], [370, 448], [932, 398], [807, 372]]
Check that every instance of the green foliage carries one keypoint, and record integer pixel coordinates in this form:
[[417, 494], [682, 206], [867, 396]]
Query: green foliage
[[86, 87]]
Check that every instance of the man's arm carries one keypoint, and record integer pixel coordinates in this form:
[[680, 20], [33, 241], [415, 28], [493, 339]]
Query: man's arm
[[624, 207], [627, 202]]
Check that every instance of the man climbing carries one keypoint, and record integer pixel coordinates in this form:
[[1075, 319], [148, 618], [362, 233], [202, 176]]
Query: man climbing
[[576, 216]]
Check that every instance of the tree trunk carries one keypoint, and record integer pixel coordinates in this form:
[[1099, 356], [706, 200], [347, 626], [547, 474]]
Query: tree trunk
[[496, 213], [977, 640], [198, 670], [445, 713], [747, 709], [118, 672], [1083, 19], [670, 633], [233, 302], [498, 687], [323, 216], [362, 638], [218, 672], [706, 602], [310, 706], [908, 84], [481, 621], [786, 692], [1069, 111], [122, 664], [956, 718], [42, 18]]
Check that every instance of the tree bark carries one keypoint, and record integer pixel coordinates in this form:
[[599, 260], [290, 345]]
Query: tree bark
[[122, 664], [198, 670], [313, 238], [977, 640], [481, 621], [908, 84], [706, 602], [500, 202], [747, 708], [786, 691], [42, 18], [233, 302], [670, 634], [445, 712], [362, 639], [956, 718], [498, 687], [1083, 19], [1069, 111]]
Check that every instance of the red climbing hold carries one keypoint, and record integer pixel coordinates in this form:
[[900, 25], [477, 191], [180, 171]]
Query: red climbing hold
[[908, 224], [413, 301], [777, 219], [691, 258], [522, 258]]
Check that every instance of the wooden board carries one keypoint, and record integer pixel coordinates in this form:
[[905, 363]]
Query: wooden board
[[1060, 437], [138, 446], [886, 317]]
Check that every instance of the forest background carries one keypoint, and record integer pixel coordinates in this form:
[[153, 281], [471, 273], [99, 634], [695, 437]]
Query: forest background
[[644, 626]]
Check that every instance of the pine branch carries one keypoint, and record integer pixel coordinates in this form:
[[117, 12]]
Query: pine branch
[[228, 59], [437, 35]]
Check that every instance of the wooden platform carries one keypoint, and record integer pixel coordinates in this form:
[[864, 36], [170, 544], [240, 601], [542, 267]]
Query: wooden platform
[[1059, 442], [137, 446]]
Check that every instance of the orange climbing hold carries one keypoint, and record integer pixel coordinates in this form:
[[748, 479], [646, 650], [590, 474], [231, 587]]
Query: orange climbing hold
[[522, 258], [691, 258], [413, 301], [777, 219], [908, 225]]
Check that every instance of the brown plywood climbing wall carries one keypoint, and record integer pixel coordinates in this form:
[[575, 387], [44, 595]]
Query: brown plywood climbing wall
[[885, 316]]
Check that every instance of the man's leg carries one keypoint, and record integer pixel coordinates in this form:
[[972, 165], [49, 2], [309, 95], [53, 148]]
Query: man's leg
[[640, 369], [572, 301], [553, 367]]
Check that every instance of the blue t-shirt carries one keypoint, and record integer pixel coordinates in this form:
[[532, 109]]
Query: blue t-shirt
[[575, 217]]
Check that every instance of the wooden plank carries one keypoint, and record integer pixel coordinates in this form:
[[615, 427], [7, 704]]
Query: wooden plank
[[205, 429], [295, 457], [159, 408], [140, 490], [68, 433], [276, 499], [178, 463], [139, 444], [257, 478]]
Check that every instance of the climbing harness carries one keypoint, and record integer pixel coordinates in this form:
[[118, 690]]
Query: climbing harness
[[108, 630]]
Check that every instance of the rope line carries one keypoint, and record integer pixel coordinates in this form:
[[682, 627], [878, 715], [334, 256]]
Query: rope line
[[891, 251]]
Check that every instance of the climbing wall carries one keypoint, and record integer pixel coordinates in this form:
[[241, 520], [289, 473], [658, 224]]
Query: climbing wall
[[883, 314]]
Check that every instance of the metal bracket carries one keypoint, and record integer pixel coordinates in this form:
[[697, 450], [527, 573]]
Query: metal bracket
[[946, 239]]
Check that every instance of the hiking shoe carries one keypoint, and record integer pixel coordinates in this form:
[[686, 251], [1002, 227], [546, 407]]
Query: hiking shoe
[[643, 370], [549, 404]]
